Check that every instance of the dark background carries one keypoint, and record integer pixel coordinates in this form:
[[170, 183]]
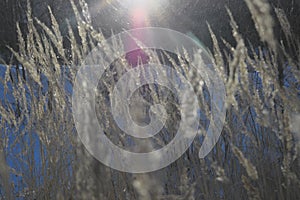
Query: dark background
[[181, 15]]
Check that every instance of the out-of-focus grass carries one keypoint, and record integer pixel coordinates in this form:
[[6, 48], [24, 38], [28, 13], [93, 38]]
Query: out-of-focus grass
[[256, 157]]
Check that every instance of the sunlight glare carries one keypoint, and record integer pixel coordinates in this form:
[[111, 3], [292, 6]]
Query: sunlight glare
[[145, 5]]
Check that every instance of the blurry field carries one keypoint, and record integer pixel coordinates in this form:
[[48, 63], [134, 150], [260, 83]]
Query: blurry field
[[256, 156]]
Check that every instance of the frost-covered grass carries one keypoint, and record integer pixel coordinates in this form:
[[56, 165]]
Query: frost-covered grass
[[255, 158]]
